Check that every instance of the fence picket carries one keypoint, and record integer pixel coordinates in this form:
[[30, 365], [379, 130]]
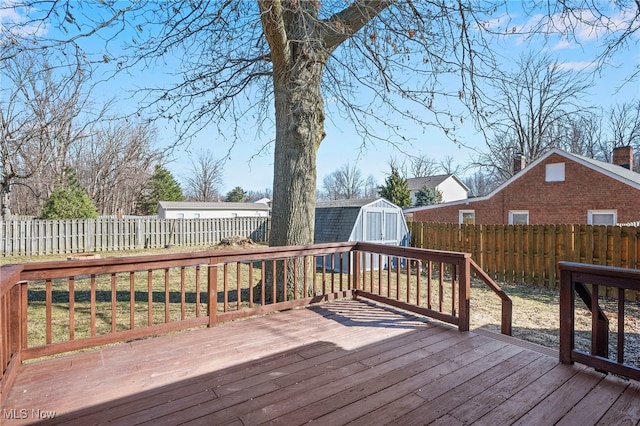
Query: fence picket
[[530, 253], [41, 237]]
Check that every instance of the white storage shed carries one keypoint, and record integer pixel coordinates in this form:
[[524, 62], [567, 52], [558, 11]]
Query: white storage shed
[[371, 220]]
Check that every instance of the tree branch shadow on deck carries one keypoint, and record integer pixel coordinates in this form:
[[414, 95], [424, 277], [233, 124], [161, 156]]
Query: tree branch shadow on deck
[[299, 381], [358, 318]]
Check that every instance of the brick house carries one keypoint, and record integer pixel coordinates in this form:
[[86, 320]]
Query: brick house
[[558, 187]]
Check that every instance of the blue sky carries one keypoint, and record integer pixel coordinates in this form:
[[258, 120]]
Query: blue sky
[[250, 165], [253, 171]]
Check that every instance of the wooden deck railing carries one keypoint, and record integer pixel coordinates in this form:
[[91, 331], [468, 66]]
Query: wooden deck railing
[[575, 279], [47, 308]]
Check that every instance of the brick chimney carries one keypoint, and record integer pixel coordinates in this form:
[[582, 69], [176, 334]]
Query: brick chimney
[[519, 163], [623, 156]]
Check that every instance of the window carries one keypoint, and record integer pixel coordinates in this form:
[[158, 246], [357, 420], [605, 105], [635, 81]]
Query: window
[[554, 172], [518, 217], [180, 215], [467, 217], [196, 215], [602, 217]]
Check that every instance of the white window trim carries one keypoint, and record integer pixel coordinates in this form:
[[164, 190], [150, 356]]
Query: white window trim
[[513, 212], [461, 216], [590, 214]]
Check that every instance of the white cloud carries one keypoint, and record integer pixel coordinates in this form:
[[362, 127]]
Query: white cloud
[[14, 18], [576, 66]]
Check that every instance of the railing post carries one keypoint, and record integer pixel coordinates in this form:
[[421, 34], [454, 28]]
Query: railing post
[[567, 305], [212, 292], [464, 292]]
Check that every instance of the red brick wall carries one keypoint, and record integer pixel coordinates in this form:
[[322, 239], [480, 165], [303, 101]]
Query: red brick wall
[[548, 202]]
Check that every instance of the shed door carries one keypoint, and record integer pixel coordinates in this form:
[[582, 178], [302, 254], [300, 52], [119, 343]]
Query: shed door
[[381, 226]]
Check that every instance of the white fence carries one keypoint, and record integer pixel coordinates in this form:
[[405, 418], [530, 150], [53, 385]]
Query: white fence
[[38, 237]]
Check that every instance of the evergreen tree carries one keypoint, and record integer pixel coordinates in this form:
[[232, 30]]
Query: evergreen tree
[[69, 200], [428, 196], [396, 189], [236, 195], [161, 187]]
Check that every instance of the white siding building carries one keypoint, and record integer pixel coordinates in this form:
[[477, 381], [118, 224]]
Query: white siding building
[[200, 210]]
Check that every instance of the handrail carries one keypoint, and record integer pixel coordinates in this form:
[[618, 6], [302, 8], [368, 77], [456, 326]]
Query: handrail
[[507, 304], [108, 300], [574, 278]]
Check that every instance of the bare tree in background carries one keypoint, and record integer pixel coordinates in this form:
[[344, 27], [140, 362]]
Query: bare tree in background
[[423, 166], [528, 115], [344, 183], [371, 188], [623, 130], [481, 183], [45, 110], [449, 167], [115, 163], [203, 184]]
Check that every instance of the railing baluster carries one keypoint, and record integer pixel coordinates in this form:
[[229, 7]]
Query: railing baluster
[[305, 286], [149, 297], [48, 311], [93, 304], [113, 302], [453, 289], [251, 284], [198, 290], [132, 300], [183, 294], [408, 273], [295, 278], [620, 339], [274, 284], [225, 287], [264, 284], [441, 287], [418, 264], [333, 274], [429, 284], [285, 284], [167, 297], [238, 288]]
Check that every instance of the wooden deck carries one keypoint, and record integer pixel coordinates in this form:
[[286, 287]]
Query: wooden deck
[[337, 363]]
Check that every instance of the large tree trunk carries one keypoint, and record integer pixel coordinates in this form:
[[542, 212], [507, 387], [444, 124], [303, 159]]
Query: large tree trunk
[[298, 61]]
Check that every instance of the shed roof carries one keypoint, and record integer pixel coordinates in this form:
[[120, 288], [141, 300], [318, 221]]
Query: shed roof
[[335, 220], [196, 205]]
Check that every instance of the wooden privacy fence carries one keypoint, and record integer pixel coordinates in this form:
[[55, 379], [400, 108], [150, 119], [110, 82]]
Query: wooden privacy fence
[[530, 253], [39, 237]]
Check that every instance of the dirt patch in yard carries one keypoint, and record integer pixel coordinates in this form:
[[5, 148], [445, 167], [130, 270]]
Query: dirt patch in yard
[[536, 318]]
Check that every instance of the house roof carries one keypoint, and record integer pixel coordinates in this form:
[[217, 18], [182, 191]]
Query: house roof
[[417, 183], [196, 205], [614, 171]]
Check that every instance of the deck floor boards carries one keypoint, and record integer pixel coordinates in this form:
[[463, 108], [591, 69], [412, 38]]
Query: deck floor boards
[[343, 362]]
